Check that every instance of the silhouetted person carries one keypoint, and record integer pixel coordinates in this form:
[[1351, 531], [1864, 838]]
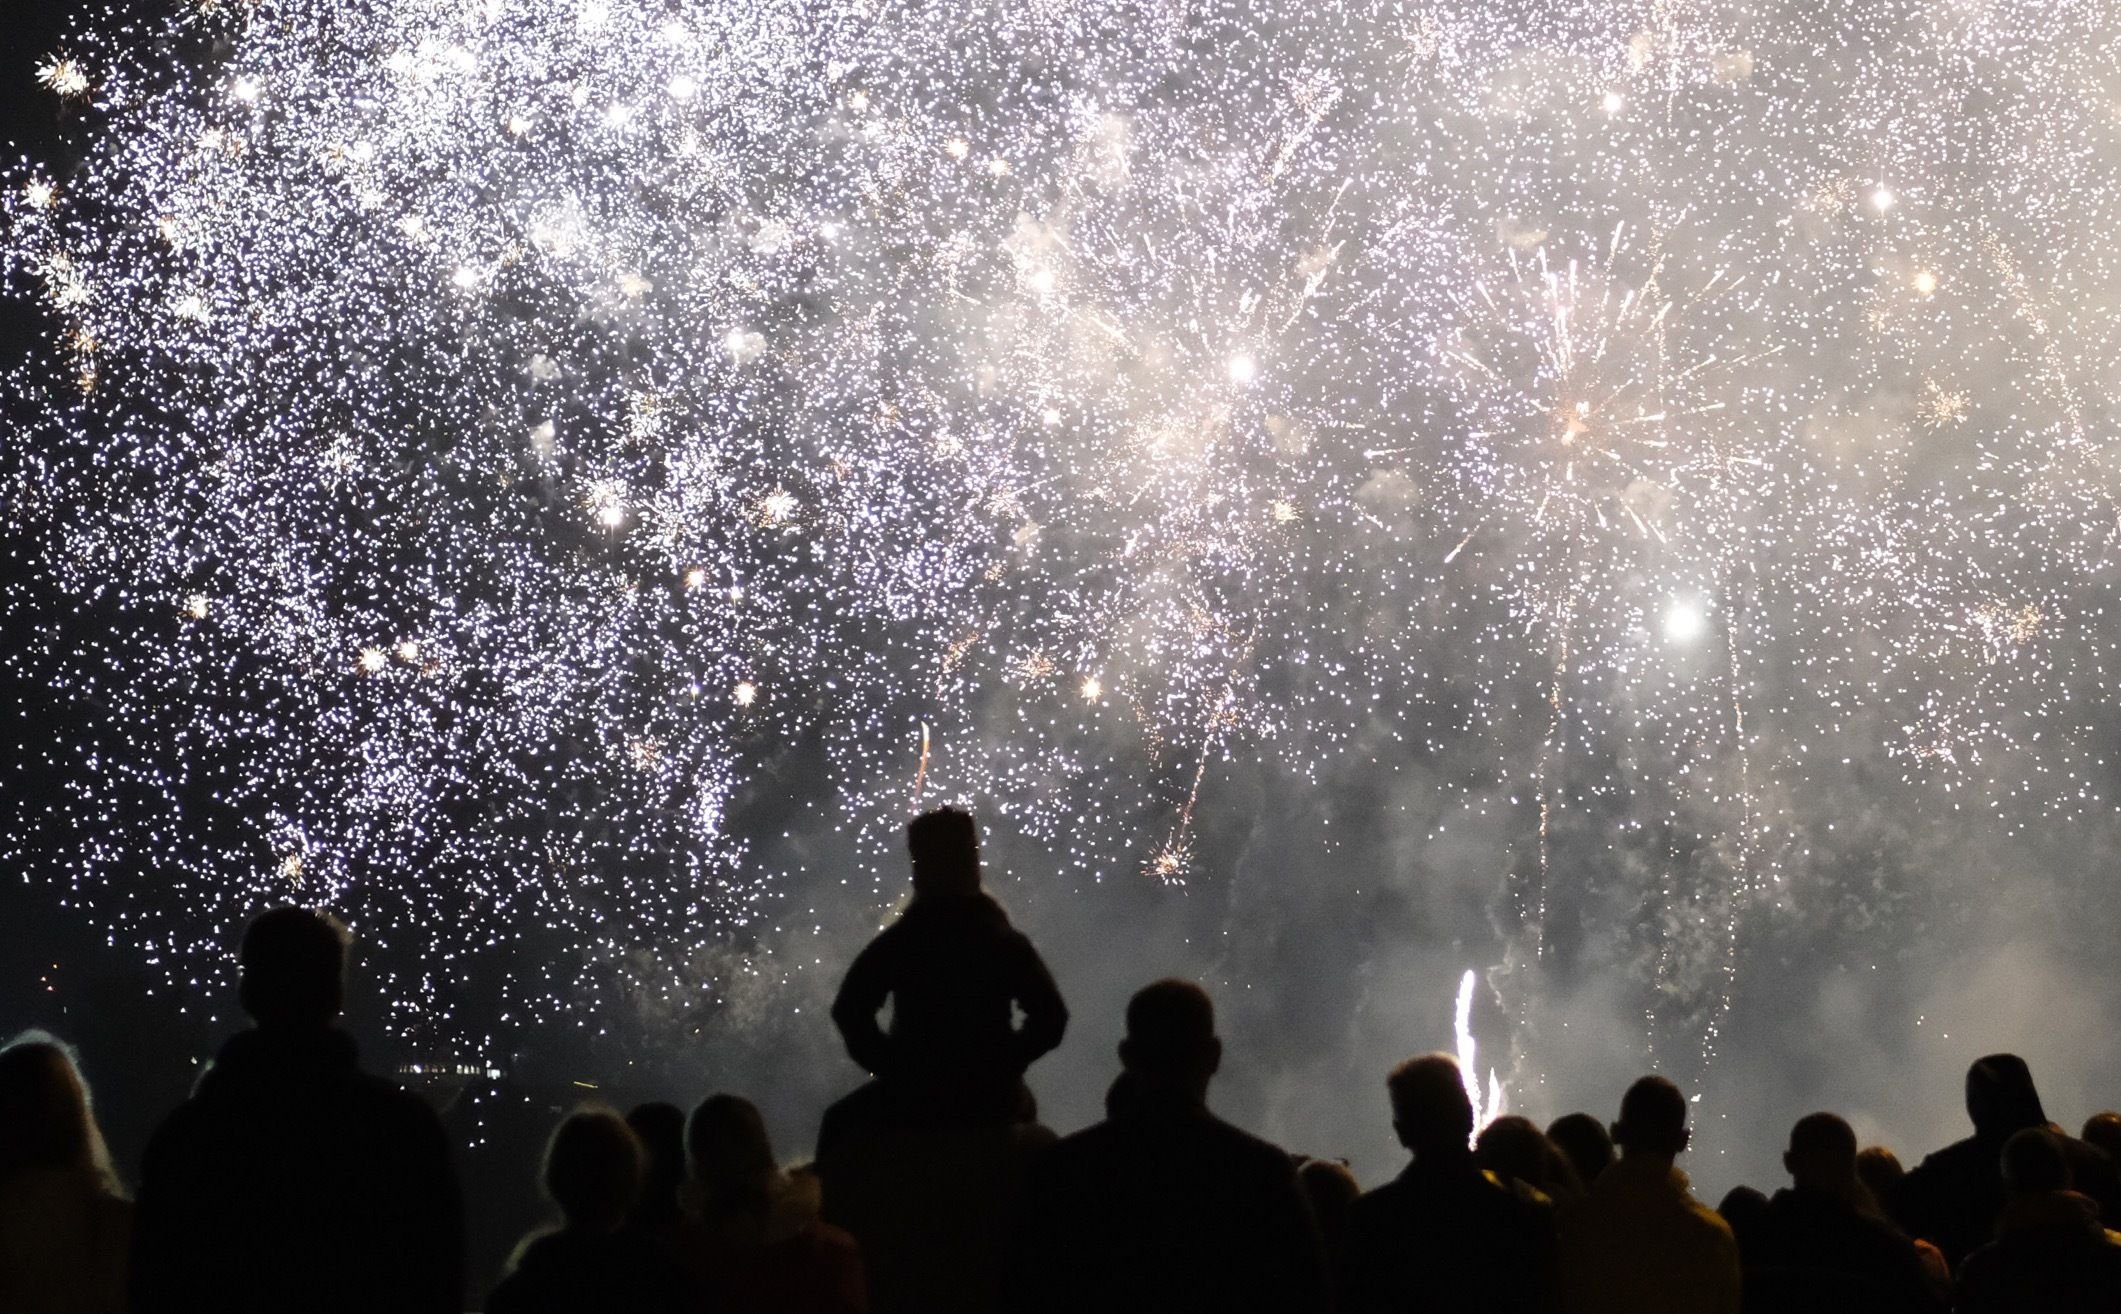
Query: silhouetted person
[[1741, 1209], [1954, 1196], [292, 1180], [2051, 1255], [594, 1167], [1639, 1242], [925, 1164], [1445, 1234], [660, 1128], [1515, 1150], [1330, 1188], [952, 969], [1163, 1206], [2103, 1131], [65, 1228], [754, 1243], [1823, 1246], [1878, 1168], [1586, 1143]]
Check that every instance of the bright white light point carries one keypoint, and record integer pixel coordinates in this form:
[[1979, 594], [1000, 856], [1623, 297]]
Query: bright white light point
[[466, 278], [1613, 102], [518, 124], [39, 194], [1051, 415], [746, 693], [1685, 620], [409, 651], [1092, 688], [1243, 369], [1883, 199], [998, 167], [372, 660], [958, 148], [1925, 282], [683, 88], [245, 90], [858, 101], [695, 578], [611, 515], [1041, 281], [196, 605]]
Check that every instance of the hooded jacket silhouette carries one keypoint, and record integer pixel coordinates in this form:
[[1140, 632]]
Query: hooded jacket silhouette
[[291, 1180], [1954, 1197]]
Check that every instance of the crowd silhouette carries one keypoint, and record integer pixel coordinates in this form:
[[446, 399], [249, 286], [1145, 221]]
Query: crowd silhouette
[[291, 1180]]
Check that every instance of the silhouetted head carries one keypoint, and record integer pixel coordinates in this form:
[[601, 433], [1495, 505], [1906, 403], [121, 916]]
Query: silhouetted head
[[660, 1128], [294, 969], [1822, 1153], [730, 1153], [2104, 1131], [1515, 1149], [1584, 1140], [1171, 1041], [1431, 1111], [2034, 1163], [1652, 1120], [1879, 1170], [2000, 1097], [1330, 1188], [944, 845], [1743, 1208], [45, 1117], [593, 1169]]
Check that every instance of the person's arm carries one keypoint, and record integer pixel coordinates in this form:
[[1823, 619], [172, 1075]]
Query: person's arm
[[867, 985], [1045, 1013]]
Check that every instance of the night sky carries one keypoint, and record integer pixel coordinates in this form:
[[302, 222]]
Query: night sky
[[674, 897]]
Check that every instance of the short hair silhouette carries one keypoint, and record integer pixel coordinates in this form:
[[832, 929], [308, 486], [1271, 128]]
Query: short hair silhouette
[[1826, 1137], [45, 1117], [1171, 1031], [730, 1152], [1585, 1141], [2104, 1131], [593, 1168], [1822, 1152], [944, 846], [1430, 1108], [1652, 1118], [293, 963], [1743, 1207], [2000, 1096], [2034, 1162]]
